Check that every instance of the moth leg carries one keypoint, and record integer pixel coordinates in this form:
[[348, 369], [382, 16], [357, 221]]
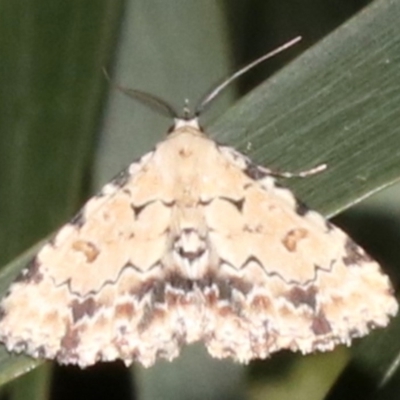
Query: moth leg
[[301, 174]]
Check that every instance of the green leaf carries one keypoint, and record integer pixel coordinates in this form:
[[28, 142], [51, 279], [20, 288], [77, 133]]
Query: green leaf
[[52, 53], [337, 104], [50, 102], [373, 370], [33, 385]]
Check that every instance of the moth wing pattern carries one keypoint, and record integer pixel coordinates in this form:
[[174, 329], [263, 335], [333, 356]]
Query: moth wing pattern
[[79, 297], [302, 283], [194, 242]]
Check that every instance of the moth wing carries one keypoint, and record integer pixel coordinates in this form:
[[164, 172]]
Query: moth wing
[[83, 297], [296, 281]]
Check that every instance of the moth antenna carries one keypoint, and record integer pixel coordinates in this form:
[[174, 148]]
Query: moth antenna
[[155, 103], [186, 110], [209, 97], [149, 100]]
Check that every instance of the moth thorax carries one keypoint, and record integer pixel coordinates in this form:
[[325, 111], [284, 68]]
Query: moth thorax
[[180, 123]]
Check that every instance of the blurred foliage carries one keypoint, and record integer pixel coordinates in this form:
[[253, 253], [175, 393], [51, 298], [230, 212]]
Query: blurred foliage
[[61, 137]]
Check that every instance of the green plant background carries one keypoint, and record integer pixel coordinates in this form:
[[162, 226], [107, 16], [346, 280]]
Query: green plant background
[[63, 134]]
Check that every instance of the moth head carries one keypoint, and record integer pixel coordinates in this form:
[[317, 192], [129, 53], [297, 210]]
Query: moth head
[[188, 117]]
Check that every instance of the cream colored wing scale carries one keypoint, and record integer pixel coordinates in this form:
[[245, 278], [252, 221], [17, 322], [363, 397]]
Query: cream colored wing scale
[[193, 242]]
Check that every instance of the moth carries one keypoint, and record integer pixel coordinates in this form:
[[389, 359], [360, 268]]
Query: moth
[[193, 242]]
